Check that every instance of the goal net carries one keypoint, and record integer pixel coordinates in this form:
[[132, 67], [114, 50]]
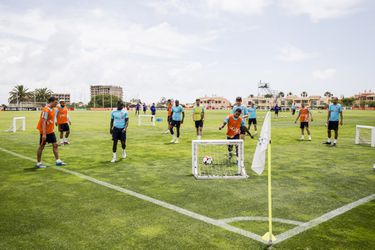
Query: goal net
[[365, 135], [146, 120], [18, 123], [218, 159]]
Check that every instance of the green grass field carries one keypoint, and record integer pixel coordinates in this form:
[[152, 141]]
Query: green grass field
[[50, 209]]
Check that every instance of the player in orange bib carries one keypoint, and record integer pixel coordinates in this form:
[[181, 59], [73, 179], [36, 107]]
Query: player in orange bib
[[304, 117], [169, 116], [46, 129], [62, 122], [235, 124]]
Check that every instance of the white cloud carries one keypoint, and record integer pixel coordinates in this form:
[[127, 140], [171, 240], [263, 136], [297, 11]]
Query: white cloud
[[294, 54], [324, 74], [321, 9], [247, 7]]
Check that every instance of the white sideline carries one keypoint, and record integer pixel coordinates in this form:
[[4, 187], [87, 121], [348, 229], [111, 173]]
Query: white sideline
[[177, 209], [219, 223], [260, 218], [325, 217]]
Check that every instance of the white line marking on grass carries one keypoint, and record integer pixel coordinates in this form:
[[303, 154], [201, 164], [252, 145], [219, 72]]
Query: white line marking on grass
[[259, 218], [177, 209], [325, 217]]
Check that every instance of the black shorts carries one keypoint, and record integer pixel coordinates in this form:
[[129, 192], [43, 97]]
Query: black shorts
[[199, 124], [304, 124], [118, 134], [176, 124], [253, 121], [243, 130], [293, 111], [169, 119], [64, 127], [50, 138], [236, 137], [333, 125]]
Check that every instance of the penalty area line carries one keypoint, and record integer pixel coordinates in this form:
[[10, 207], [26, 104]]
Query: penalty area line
[[160, 203]]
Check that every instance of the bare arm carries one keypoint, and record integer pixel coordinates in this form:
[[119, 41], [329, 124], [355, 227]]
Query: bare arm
[[312, 119], [222, 126], [341, 119], [127, 124], [111, 127], [183, 116], [297, 118]]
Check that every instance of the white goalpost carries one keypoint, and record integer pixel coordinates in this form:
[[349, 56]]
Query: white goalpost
[[365, 135], [146, 120], [14, 127], [218, 159]]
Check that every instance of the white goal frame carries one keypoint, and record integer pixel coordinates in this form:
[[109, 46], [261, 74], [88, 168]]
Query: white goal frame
[[240, 162], [357, 127], [149, 116], [13, 127]]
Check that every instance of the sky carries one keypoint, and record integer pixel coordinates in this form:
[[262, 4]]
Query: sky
[[186, 49]]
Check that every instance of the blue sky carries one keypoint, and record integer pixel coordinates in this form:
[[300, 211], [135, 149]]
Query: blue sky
[[184, 49]]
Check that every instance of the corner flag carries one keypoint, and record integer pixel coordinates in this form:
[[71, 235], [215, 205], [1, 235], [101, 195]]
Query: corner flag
[[259, 159]]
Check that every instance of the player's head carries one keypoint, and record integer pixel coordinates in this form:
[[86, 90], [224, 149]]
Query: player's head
[[168, 101], [238, 100], [302, 104], [177, 102], [252, 104], [197, 101], [335, 100], [52, 102], [62, 102], [120, 105], [237, 113]]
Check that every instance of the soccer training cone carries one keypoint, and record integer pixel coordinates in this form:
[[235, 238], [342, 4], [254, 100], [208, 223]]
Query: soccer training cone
[[267, 237]]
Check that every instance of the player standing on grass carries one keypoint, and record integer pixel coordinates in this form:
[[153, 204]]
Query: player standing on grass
[[46, 126], [118, 127], [178, 116], [304, 115], [144, 108], [244, 114], [63, 121], [293, 108], [198, 118], [252, 111], [234, 124], [277, 108], [137, 107], [334, 118], [153, 111], [169, 115]]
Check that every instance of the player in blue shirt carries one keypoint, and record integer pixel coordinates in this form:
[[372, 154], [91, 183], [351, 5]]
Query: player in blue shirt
[[334, 118], [178, 116], [118, 127], [137, 107], [153, 111], [244, 114], [252, 112], [293, 108]]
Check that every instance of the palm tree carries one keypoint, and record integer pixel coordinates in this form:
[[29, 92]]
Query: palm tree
[[19, 94], [281, 94], [42, 94], [304, 94], [328, 94], [290, 93], [251, 96]]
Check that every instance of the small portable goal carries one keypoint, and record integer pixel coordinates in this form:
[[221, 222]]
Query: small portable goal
[[218, 159], [365, 135], [146, 120], [13, 128]]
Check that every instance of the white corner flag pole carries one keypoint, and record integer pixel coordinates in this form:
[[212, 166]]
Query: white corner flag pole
[[269, 235]]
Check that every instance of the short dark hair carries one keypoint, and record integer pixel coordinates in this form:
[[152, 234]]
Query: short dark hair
[[238, 110], [120, 103], [239, 98], [51, 99]]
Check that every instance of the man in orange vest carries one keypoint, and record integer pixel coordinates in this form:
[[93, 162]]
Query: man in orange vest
[[63, 121], [235, 124], [169, 116], [304, 115], [47, 135]]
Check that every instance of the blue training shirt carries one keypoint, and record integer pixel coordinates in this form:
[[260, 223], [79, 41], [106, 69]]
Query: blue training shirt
[[242, 107], [335, 111], [177, 111], [252, 112], [119, 117]]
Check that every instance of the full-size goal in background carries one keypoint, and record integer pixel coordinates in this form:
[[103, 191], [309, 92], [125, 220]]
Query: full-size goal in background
[[146, 120], [22, 126], [365, 135], [218, 159]]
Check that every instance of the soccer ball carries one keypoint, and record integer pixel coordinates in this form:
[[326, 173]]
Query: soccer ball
[[207, 160]]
